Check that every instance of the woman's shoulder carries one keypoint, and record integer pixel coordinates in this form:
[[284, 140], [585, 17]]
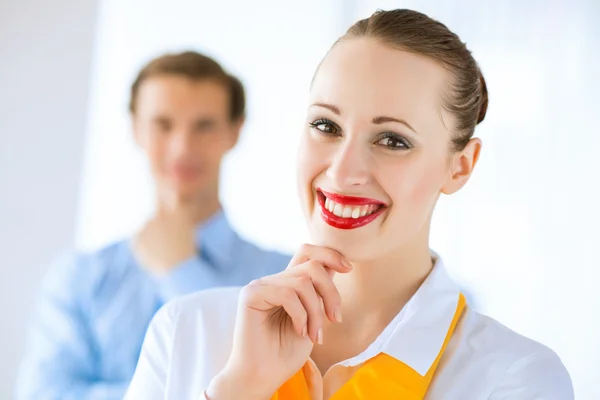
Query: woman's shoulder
[[511, 362], [490, 335], [215, 306], [213, 302], [188, 342]]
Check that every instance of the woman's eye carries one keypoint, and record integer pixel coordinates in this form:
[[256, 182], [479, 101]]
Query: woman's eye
[[325, 127], [394, 143]]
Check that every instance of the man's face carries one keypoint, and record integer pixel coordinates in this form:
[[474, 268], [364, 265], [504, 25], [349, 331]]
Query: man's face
[[184, 127]]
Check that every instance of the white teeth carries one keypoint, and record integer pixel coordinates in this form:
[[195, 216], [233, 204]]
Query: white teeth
[[342, 211], [338, 210], [329, 205], [347, 212]]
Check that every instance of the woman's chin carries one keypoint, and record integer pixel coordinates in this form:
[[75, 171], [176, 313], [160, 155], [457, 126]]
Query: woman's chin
[[349, 243]]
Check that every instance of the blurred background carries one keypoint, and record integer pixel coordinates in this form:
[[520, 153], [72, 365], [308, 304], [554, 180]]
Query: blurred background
[[522, 236]]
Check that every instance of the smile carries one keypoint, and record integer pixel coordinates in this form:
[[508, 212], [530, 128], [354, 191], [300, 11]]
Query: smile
[[347, 212]]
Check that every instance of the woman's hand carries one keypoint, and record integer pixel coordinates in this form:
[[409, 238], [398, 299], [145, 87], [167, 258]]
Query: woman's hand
[[279, 319]]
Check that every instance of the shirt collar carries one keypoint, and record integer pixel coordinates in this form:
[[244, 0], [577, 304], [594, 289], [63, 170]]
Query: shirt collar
[[416, 335], [216, 238]]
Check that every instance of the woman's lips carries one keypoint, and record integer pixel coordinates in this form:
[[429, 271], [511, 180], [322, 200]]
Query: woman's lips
[[348, 212]]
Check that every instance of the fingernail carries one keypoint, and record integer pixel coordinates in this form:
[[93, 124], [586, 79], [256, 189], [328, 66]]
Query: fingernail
[[346, 263], [320, 336], [304, 331], [337, 314]]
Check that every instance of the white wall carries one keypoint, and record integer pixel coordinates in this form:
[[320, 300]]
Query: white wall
[[521, 235], [523, 232], [273, 46], [45, 60]]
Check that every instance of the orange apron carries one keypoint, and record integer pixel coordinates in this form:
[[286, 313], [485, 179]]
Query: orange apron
[[381, 377]]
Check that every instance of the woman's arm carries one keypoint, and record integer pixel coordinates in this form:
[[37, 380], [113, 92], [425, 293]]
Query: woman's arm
[[149, 380]]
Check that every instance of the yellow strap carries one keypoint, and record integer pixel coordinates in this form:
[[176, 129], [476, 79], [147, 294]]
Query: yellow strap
[[294, 389], [381, 377]]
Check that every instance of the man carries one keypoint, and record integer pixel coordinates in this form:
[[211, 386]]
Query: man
[[187, 112]]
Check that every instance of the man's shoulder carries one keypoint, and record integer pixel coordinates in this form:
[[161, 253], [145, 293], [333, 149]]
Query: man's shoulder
[[119, 249], [105, 254], [275, 259], [85, 267]]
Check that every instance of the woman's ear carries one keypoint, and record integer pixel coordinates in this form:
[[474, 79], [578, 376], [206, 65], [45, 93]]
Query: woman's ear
[[462, 165]]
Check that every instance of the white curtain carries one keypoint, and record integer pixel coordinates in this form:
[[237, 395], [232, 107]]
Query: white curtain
[[520, 236]]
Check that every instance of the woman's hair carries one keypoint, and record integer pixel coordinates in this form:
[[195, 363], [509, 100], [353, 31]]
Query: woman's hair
[[194, 66], [467, 97]]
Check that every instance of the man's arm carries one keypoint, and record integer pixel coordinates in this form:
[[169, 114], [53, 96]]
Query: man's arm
[[60, 362]]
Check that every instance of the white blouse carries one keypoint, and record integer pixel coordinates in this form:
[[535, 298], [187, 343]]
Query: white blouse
[[190, 339]]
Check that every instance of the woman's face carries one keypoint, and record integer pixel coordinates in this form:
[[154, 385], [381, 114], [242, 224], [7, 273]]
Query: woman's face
[[376, 150]]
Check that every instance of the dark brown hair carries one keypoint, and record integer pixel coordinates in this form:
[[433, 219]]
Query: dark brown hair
[[195, 66], [467, 97]]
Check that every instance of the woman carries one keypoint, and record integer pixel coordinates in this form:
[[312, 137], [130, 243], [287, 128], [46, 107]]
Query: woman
[[368, 312]]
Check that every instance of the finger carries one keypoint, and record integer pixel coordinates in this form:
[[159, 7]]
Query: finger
[[326, 256], [265, 297], [323, 283], [326, 289], [305, 289]]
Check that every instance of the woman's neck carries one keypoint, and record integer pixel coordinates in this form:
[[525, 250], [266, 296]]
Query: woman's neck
[[373, 293], [380, 288]]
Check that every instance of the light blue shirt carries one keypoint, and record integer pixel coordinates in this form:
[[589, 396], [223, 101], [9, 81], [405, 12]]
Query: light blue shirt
[[94, 310]]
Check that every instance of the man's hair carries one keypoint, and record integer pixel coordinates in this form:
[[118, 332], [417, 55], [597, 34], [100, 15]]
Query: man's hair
[[195, 66]]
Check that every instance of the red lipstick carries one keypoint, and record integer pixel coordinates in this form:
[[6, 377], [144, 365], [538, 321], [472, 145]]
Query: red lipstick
[[348, 223]]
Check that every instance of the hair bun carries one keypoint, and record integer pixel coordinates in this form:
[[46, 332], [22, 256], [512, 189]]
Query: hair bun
[[484, 99]]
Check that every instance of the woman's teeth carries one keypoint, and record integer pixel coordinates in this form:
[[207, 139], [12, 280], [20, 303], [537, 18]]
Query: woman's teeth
[[343, 211]]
